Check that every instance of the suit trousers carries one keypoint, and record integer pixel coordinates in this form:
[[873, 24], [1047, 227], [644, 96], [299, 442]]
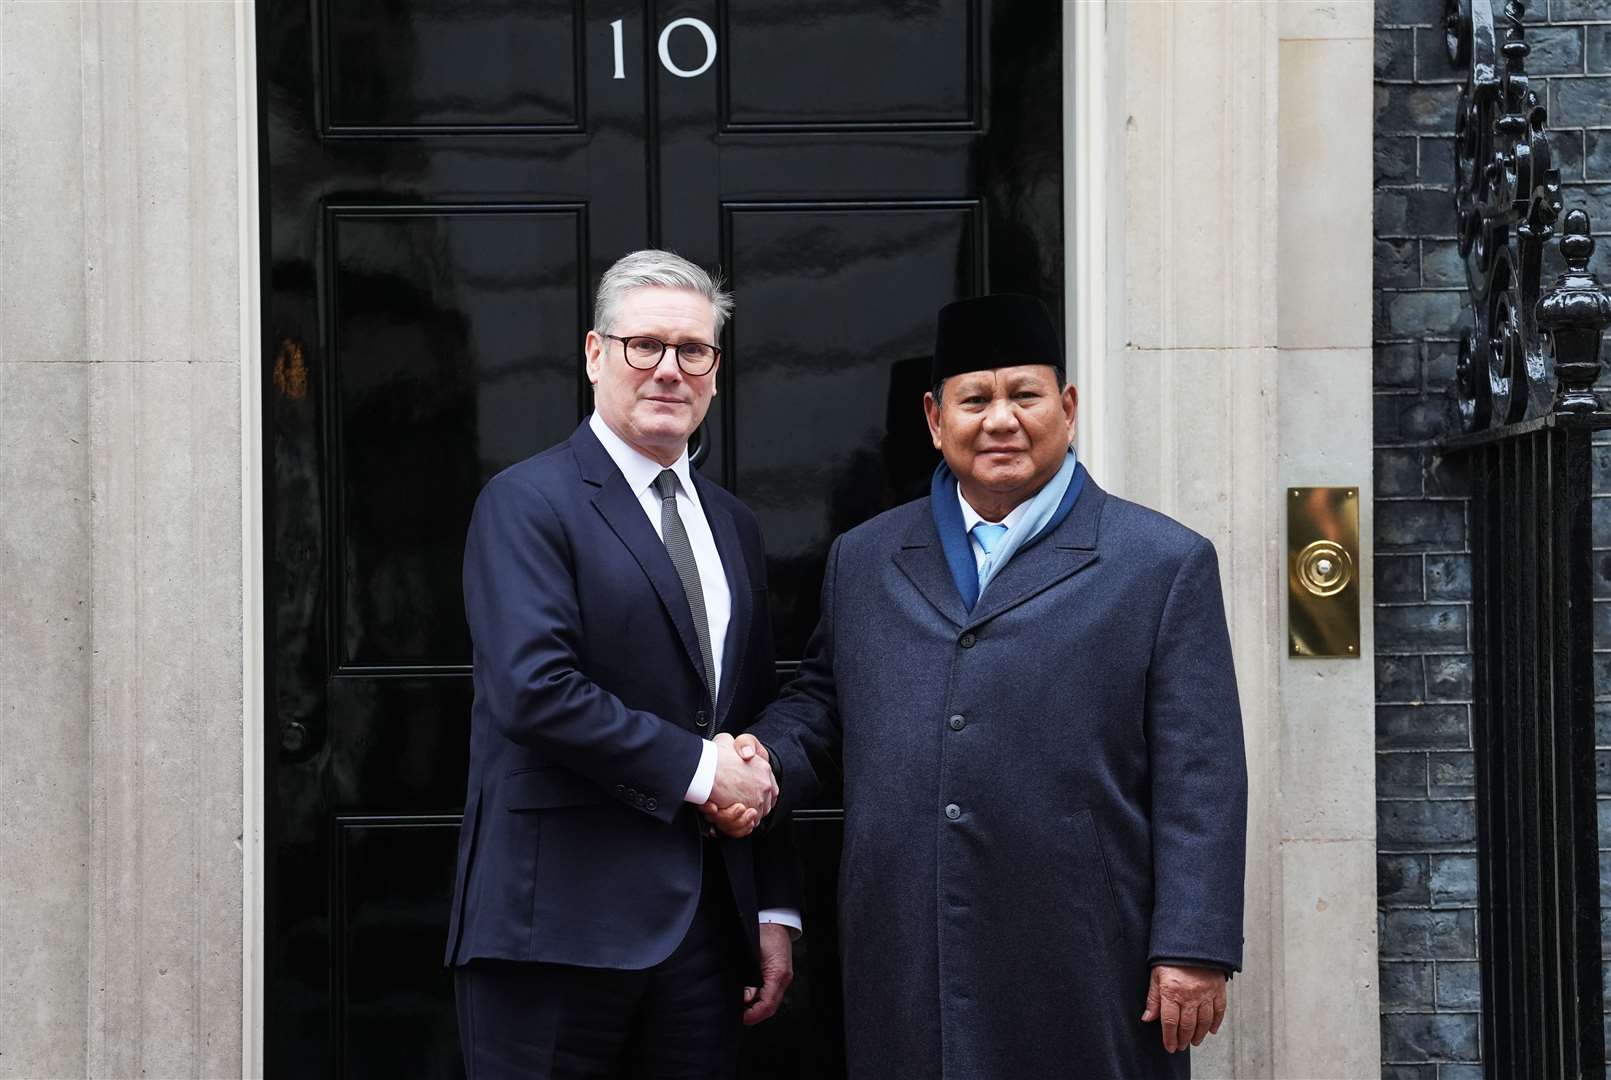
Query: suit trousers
[[678, 1020]]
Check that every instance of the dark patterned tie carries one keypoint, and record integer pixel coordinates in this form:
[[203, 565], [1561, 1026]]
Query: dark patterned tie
[[682, 557]]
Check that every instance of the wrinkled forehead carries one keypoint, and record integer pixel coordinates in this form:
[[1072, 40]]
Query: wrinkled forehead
[[657, 307], [1006, 378]]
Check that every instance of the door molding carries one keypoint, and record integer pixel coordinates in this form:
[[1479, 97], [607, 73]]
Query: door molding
[[254, 640], [1086, 154]]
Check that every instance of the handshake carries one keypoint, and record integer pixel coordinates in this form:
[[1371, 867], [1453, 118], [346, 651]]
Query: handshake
[[745, 789]]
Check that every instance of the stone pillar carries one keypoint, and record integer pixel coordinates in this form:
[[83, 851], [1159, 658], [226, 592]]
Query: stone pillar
[[121, 491], [1239, 364], [45, 553], [1328, 997]]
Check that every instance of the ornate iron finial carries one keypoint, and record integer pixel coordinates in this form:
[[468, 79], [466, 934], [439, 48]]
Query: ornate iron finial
[[1516, 32], [1508, 200], [1574, 313]]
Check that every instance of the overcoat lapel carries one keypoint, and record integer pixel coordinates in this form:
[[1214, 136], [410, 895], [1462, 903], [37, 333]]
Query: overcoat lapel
[[1069, 549], [922, 560], [625, 516], [738, 587]]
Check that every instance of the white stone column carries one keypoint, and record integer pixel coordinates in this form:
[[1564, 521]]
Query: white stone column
[[1328, 1003], [46, 841], [121, 653], [1238, 363]]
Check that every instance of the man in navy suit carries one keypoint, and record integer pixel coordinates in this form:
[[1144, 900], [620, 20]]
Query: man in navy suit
[[617, 604], [1030, 684]]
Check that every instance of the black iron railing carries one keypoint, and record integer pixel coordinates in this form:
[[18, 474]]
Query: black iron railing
[[1528, 363]]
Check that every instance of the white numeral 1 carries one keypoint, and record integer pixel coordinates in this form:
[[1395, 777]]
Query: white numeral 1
[[620, 55]]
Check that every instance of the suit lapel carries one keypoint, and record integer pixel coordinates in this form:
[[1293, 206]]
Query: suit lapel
[[624, 514], [731, 550], [922, 560], [1071, 548]]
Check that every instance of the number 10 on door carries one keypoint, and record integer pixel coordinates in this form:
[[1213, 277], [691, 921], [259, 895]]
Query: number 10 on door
[[698, 25]]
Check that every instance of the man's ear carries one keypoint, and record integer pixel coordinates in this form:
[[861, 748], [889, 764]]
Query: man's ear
[[931, 413], [593, 349]]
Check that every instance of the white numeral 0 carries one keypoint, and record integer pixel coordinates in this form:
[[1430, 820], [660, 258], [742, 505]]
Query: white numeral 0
[[710, 47], [665, 48]]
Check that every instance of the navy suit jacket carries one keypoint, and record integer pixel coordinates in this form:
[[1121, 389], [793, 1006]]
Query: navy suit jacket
[[589, 721]]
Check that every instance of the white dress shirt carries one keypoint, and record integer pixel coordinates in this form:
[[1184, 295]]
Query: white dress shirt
[[640, 473], [971, 517]]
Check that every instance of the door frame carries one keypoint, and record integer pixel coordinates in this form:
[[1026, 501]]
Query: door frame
[[254, 628], [1087, 278]]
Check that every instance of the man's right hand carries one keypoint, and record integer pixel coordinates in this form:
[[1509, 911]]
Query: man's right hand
[[743, 780], [751, 791]]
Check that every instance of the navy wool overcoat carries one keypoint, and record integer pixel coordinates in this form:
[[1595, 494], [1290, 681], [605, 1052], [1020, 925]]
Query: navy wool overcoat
[[1043, 796]]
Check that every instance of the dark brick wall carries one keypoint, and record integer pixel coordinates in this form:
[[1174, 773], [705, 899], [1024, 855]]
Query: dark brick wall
[[1425, 816]]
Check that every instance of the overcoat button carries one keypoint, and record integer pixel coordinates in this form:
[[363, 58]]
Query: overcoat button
[[650, 805], [967, 641], [953, 811], [958, 723], [620, 789], [700, 719]]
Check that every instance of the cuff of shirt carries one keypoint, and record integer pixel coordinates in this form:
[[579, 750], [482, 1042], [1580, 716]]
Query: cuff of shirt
[[786, 916], [704, 776]]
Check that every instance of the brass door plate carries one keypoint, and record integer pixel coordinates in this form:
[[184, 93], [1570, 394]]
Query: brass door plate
[[1323, 571]]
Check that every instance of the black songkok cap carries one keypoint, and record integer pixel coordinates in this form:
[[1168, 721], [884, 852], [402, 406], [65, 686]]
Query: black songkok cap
[[1001, 330]]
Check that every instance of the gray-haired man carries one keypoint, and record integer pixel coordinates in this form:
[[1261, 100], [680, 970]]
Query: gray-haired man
[[617, 605]]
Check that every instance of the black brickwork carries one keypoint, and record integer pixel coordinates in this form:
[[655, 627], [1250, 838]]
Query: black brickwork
[[1426, 827]]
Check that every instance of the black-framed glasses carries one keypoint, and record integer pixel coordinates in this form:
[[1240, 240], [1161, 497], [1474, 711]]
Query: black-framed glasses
[[644, 353]]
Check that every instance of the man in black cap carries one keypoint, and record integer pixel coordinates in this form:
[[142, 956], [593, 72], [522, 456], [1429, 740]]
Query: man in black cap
[[1029, 684]]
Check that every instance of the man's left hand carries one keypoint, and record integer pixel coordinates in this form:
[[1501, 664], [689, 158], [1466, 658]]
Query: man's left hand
[[777, 972], [1189, 1002]]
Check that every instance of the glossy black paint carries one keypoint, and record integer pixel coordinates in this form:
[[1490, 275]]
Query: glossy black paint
[[1525, 390], [442, 185], [1533, 732]]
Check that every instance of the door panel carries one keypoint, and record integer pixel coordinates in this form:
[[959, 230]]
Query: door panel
[[803, 64], [393, 880], [834, 374], [443, 183], [437, 66], [451, 334]]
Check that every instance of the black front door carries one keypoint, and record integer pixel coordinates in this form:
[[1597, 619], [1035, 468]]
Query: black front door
[[444, 182]]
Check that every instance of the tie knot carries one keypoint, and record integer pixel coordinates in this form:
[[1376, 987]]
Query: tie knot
[[666, 484], [989, 535]]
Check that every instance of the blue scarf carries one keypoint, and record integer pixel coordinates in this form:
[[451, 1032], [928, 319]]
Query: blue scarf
[[1046, 511]]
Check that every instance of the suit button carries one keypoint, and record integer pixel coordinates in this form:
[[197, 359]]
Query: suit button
[[953, 811], [650, 805], [620, 789], [958, 723], [968, 640], [700, 719]]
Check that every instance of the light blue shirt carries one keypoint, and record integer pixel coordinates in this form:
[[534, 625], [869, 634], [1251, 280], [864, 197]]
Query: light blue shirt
[[971, 517]]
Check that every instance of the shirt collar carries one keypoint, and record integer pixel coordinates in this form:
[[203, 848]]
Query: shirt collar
[[971, 517], [640, 471]]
